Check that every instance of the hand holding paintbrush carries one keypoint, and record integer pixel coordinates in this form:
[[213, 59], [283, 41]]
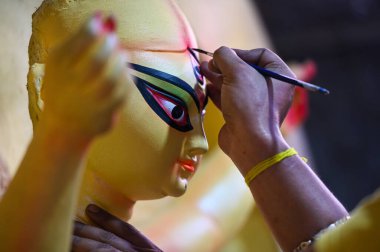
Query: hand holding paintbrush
[[253, 106], [268, 73]]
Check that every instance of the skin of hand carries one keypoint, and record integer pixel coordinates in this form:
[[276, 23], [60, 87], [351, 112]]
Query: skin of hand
[[253, 106], [293, 200], [84, 87], [112, 234]]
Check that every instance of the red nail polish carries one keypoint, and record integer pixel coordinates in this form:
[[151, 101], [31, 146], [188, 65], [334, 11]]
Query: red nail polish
[[109, 24]]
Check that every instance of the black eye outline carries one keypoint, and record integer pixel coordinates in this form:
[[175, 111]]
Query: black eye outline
[[196, 67], [197, 73], [151, 93]]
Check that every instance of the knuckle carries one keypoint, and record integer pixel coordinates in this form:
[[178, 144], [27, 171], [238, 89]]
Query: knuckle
[[219, 51], [264, 51], [75, 240], [78, 227], [259, 51], [107, 236]]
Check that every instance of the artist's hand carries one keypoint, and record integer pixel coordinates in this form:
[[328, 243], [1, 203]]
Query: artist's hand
[[85, 80], [112, 234], [253, 106]]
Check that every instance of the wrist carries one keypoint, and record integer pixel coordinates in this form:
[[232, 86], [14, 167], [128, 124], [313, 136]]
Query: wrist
[[262, 149]]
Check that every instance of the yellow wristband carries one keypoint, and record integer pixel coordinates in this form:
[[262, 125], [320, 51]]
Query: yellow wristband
[[263, 165]]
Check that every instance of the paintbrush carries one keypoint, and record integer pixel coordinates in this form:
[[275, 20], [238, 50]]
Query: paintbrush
[[277, 76]]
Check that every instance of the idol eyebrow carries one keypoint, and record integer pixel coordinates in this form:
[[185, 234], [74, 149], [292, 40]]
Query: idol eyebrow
[[168, 78]]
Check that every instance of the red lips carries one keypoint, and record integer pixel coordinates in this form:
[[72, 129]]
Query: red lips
[[188, 165]]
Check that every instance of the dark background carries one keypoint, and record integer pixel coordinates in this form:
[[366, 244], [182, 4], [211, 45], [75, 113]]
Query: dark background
[[343, 38]]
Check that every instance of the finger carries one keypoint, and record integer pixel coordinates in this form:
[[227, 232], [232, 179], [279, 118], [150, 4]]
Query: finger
[[118, 227], [87, 34], [265, 58], [95, 63], [227, 61], [88, 235], [269, 60], [80, 244], [215, 95], [213, 76], [111, 81], [213, 67]]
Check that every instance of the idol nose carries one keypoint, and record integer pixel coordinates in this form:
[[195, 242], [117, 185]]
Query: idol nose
[[195, 143]]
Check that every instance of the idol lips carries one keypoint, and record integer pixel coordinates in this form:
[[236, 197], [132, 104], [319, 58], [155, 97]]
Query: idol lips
[[187, 165]]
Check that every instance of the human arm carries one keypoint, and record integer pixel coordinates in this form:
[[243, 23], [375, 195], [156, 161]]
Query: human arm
[[294, 202], [83, 88]]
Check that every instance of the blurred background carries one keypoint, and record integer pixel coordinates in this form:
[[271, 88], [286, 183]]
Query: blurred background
[[343, 38]]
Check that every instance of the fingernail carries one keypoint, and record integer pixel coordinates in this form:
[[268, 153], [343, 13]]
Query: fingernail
[[96, 23], [93, 208], [98, 14], [109, 24]]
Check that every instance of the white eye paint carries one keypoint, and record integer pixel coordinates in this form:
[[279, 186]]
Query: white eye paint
[[176, 112]]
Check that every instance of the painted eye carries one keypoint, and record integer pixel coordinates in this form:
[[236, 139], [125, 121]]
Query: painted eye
[[170, 108], [176, 112]]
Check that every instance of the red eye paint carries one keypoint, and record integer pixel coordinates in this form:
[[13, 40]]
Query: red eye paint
[[169, 105]]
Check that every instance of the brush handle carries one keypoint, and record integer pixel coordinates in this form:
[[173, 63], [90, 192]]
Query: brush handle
[[266, 72], [289, 80]]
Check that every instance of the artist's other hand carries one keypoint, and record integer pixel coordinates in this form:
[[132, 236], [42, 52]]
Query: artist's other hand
[[253, 106], [85, 80], [112, 234]]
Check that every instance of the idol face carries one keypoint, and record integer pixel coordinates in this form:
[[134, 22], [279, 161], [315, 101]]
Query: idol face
[[157, 145]]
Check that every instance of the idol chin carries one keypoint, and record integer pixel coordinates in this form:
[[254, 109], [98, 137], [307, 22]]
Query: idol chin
[[179, 180]]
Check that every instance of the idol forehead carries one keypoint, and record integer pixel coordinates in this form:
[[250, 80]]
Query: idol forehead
[[155, 25], [198, 93]]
